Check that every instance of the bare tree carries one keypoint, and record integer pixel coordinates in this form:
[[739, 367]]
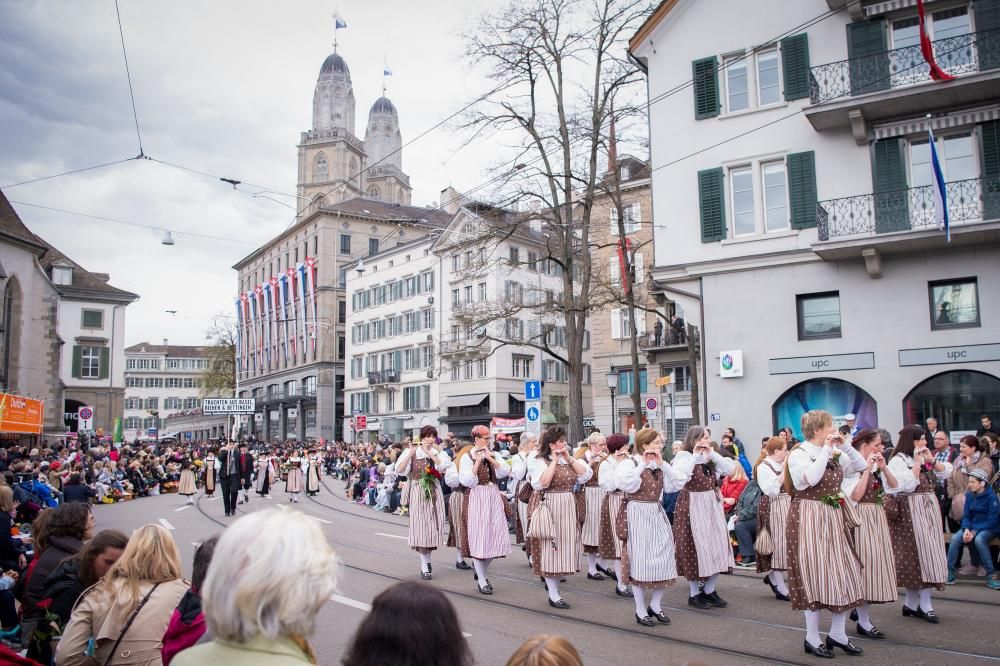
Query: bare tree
[[540, 49], [219, 379]]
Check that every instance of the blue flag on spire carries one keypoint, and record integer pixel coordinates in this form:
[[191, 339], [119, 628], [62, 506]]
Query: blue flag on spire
[[339, 21]]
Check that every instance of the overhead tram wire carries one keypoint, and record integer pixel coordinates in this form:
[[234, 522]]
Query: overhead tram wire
[[69, 173], [128, 75]]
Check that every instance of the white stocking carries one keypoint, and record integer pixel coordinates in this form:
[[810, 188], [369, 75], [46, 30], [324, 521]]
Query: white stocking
[[812, 628], [837, 630], [480, 566], [654, 602], [458, 555], [640, 601], [911, 599], [779, 582], [592, 563], [710, 583], [622, 584], [695, 590], [553, 584], [864, 617], [425, 561], [925, 600]]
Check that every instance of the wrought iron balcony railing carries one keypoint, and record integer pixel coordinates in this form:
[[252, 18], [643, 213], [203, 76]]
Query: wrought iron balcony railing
[[379, 377], [969, 201], [668, 338], [958, 55], [461, 346]]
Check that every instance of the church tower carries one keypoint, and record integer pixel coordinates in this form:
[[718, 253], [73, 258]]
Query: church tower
[[385, 179], [331, 157]]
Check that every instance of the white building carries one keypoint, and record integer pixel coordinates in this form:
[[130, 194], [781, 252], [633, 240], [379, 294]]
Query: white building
[[482, 366], [160, 381], [806, 242], [393, 329]]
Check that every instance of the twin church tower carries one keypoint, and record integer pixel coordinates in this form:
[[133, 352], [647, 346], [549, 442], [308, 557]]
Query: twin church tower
[[334, 164]]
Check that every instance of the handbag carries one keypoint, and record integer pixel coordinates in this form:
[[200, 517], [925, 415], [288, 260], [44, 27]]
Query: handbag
[[524, 492], [404, 493], [128, 624], [540, 523], [764, 544]]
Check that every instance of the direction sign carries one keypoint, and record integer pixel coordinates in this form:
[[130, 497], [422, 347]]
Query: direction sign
[[665, 379], [533, 417], [85, 419], [228, 405], [533, 390]]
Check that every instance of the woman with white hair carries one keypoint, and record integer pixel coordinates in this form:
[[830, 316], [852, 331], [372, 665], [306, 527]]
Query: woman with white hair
[[271, 573], [519, 473], [593, 496]]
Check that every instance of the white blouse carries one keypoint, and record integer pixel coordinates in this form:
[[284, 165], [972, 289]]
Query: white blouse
[[770, 482], [606, 475], [807, 463], [628, 475], [684, 463], [901, 466], [469, 478], [537, 467], [451, 477], [519, 466], [442, 462]]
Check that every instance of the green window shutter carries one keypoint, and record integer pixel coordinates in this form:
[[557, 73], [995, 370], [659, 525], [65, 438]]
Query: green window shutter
[[891, 200], [989, 137], [706, 87], [103, 371], [987, 18], [711, 197], [802, 189], [77, 361], [869, 61], [795, 63]]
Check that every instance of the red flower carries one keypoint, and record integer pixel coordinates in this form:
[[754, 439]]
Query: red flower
[[44, 604], [840, 500]]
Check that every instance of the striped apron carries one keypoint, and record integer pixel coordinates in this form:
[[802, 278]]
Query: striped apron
[[701, 534], [559, 556], [873, 543], [773, 512], [484, 512], [648, 559], [593, 500], [426, 515], [920, 557]]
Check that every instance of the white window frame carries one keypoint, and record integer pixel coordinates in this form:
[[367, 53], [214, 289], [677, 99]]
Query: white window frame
[[750, 59], [756, 165], [756, 76]]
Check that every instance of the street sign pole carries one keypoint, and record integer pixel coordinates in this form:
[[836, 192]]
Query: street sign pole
[[673, 423]]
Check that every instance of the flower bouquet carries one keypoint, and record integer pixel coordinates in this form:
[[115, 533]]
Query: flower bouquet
[[429, 480], [836, 501], [879, 487]]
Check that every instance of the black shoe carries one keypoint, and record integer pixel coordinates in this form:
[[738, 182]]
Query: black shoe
[[596, 576], [698, 601], [870, 633], [623, 593], [715, 600], [606, 572], [562, 580], [463, 565], [848, 647], [782, 597], [645, 621], [430, 568], [542, 578], [486, 589], [820, 650], [930, 616], [426, 575], [854, 615], [661, 617], [558, 604], [774, 588]]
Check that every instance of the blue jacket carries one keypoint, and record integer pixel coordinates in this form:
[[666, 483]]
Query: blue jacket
[[982, 511], [44, 493]]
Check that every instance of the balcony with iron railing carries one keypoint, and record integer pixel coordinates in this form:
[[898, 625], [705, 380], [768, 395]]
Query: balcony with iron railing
[[667, 340], [382, 377], [451, 347], [903, 220], [897, 82], [468, 310]]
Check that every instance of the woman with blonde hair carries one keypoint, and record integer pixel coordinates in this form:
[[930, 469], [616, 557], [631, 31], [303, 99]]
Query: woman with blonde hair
[[546, 650], [772, 513], [122, 619], [271, 573], [456, 509], [484, 509]]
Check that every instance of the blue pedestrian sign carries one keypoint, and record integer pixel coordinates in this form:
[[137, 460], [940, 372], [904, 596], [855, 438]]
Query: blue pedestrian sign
[[532, 413], [533, 390], [533, 417]]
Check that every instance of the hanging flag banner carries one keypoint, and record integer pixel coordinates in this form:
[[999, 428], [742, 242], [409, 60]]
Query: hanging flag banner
[[266, 294], [301, 269], [291, 306], [939, 190], [311, 281], [276, 315], [927, 48], [256, 328], [283, 309]]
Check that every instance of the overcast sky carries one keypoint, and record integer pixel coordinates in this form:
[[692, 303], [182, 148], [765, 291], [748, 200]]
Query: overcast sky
[[223, 87]]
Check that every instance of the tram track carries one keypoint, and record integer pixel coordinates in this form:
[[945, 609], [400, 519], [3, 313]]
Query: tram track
[[660, 637]]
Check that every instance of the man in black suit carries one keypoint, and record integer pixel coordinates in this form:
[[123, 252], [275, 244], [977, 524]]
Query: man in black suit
[[229, 476], [245, 466]]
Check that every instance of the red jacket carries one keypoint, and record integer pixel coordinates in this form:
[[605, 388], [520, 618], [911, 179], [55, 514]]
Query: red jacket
[[733, 489]]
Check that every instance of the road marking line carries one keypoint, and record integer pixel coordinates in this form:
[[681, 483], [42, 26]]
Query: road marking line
[[391, 536], [213, 498], [360, 605], [166, 524], [182, 508], [321, 520]]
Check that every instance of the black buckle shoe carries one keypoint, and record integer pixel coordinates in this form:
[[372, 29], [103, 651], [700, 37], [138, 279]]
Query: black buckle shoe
[[870, 633], [606, 572], [623, 593], [486, 589], [820, 650], [463, 565], [715, 600], [661, 617], [854, 615], [426, 575], [559, 604], [596, 576], [931, 617], [848, 647], [698, 601], [645, 621]]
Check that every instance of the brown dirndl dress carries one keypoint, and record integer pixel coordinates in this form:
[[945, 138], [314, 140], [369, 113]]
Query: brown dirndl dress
[[916, 533], [209, 476], [559, 556], [648, 559], [593, 496], [426, 515], [874, 545], [456, 516], [773, 512], [701, 535], [823, 569], [485, 512]]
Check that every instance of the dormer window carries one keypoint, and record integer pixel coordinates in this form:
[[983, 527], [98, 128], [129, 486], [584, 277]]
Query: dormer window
[[626, 172], [62, 275]]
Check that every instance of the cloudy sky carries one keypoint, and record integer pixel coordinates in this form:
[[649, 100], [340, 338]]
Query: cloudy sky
[[222, 87]]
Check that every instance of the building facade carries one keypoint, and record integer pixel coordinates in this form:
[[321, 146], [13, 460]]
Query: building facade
[[392, 347], [807, 245], [160, 381], [498, 303]]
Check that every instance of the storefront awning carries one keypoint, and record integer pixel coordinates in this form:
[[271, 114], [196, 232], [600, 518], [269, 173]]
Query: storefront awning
[[464, 400], [517, 396]]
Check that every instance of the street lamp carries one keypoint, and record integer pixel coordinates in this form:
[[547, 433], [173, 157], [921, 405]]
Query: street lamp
[[612, 378]]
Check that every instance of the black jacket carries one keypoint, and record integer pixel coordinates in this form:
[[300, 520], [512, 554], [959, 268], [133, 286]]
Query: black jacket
[[78, 493], [8, 550], [224, 461], [59, 548], [64, 587]]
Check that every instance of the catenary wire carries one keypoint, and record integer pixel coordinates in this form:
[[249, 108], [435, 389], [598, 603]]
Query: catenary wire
[[128, 75]]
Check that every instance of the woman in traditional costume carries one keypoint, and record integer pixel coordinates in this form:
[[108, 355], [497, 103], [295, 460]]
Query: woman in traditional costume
[[424, 465]]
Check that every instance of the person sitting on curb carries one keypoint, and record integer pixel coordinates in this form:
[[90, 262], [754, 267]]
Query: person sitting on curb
[[980, 524]]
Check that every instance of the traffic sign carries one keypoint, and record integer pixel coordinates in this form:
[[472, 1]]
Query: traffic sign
[[533, 390], [85, 419], [533, 417], [652, 406], [361, 422]]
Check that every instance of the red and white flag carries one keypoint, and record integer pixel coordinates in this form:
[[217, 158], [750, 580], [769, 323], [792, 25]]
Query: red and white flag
[[927, 48]]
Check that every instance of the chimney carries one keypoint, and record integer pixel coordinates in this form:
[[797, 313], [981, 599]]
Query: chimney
[[164, 342], [451, 200]]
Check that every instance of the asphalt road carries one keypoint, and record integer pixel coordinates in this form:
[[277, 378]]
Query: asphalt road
[[755, 628]]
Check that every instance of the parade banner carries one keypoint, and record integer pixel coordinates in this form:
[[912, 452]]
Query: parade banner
[[253, 329], [283, 296], [291, 306], [311, 278], [275, 344], [258, 292], [20, 415], [301, 269], [245, 307], [265, 293]]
